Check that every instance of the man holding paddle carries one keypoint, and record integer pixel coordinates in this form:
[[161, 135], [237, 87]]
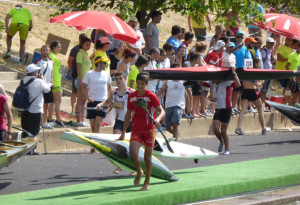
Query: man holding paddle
[[143, 128]]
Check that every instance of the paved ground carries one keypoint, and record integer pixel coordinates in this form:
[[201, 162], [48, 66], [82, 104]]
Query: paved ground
[[60, 169]]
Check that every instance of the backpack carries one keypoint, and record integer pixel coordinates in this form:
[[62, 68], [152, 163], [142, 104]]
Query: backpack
[[21, 97]]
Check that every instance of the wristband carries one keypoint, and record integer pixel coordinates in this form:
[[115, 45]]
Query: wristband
[[9, 133]]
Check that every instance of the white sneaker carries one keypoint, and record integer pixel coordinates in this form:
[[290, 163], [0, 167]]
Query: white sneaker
[[252, 110], [85, 124], [47, 126], [79, 124], [227, 152]]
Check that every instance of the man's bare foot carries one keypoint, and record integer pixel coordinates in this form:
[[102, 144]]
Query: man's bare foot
[[137, 179], [145, 187], [117, 170], [132, 174]]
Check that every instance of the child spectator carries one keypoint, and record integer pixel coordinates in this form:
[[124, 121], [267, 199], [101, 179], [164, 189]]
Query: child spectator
[[125, 64], [154, 55], [180, 57], [169, 48], [137, 68], [116, 56]]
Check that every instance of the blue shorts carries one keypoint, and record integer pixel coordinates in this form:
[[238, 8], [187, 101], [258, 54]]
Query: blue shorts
[[173, 115], [92, 114], [119, 126]]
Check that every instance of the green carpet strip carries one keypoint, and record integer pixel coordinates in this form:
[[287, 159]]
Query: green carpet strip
[[194, 185]]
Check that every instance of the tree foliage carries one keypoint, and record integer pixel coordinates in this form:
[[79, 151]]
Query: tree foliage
[[195, 8]]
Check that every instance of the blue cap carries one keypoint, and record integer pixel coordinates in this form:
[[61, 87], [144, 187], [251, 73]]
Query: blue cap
[[231, 44]]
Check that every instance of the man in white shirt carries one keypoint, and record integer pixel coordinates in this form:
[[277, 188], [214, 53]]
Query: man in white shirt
[[140, 44], [154, 55]]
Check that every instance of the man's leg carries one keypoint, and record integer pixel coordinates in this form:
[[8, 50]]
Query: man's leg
[[97, 124], [216, 129], [134, 148], [224, 134], [175, 130], [148, 167], [22, 49], [8, 42]]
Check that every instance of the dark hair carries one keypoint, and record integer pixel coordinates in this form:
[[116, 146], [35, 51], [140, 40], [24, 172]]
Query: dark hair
[[176, 30], [188, 35], [142, 60], [83, 40], [54, 44], [168, 46], [120, 74], [161, 50], [181, 46], [225, 39], [194, 56], [155, 14], [256, 62], [99, 45], [175, 65], [154, 50], [82, 35], [142, 77], [128, 52]]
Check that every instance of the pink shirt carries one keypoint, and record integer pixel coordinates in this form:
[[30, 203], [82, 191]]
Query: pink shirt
[[3, 100]]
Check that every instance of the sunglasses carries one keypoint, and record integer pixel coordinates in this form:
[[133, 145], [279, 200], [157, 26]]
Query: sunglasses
[[240, 37]]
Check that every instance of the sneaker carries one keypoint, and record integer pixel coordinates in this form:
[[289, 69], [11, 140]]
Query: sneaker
[[206, 114], [264, 131], [239, 131], [79, 124], [47, 126], [227, 152], [51, 123], [235, 110], [252, 110], [61, 124], [85, 124], [185, 115], [7, 55], [220, 148], [191, 116]]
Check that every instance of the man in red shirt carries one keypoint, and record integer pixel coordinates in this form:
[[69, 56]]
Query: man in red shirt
[[217, 53], [143, 129]]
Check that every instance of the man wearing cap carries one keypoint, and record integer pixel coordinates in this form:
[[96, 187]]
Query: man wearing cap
[[174, 39], [140, 44], [31, 119], [241, 53], [255, 52], [267, 59], [249, 42], [22, 22], [213, 56], [229, 60]]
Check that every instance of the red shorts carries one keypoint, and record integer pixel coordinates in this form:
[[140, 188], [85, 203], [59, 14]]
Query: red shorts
[[146, 136]]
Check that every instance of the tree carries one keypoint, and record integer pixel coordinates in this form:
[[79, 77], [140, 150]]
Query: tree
[[195, 8]]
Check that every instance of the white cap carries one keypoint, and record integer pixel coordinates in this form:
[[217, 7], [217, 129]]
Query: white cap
[[219, 45], [270, 40], [31, 68]]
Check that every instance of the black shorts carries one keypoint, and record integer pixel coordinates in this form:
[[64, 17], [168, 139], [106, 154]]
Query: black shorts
[[250, 95], [285, 82], [48, 97], [223, 115], [296, 87], [92, 114], [31, 123], [196, 89], [119, 126], [293, 85], [2, 135], [74, 89]]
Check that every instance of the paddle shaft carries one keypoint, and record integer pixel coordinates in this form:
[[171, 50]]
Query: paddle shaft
[[167, 142], [28, 133], [90, 108], [234, 50]]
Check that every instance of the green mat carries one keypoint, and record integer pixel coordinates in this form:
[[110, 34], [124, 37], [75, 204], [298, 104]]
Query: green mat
[[194, 185]]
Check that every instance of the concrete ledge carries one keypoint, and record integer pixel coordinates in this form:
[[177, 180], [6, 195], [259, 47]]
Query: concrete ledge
[[197, 128]]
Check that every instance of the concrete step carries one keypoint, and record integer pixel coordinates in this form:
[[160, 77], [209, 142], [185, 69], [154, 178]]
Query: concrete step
[[8, 76], [10, 85]]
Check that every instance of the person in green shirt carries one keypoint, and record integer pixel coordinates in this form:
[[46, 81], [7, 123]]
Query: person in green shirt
[[139, 65], [22, 22], [83, 66]]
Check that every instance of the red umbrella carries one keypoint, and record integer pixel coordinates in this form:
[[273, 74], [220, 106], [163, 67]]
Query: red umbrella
[[107, 22], [281, 24]]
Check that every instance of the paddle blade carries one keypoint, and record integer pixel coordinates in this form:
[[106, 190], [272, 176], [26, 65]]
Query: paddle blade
[[142, 103]]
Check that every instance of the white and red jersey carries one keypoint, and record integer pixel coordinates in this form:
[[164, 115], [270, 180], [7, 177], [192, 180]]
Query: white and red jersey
[[120, 102], [140, 119], [222, 93]]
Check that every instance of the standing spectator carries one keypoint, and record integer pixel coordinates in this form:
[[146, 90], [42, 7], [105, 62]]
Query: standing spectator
[[175, 104], [152, 32], [154, 55], [22, 22], [125, 64], [143, 129], [267, 59], [199, 29], [222, 91], [102, 46], [56, 48], [169, 48], [229, 59], [250, 94], [35, 89], [5, 113], [249, 43], [97, 90], [137, 68], [174, 39], [116, 56], [46, 65], [217, 36], [188, 39], [213, 56], [72, 67], [180, 57], [256, 31], [140, 44], [256, 51], [83, 65]]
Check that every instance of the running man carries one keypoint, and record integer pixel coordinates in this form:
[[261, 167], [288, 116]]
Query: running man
[[143, 129]]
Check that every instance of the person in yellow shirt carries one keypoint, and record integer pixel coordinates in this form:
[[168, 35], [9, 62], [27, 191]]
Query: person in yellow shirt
[[102, 46], [22, 22], [199, 29], [139, 65]]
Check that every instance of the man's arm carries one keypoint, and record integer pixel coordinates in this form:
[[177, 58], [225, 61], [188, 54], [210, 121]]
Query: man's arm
[[280, 58], [190, 24], [163, 89], [126, 123], [30, 25], [148, 42], [70, 62], [287, 66], [236, 78], [7, 23], [208, 21], [9, 117], [160, 114]]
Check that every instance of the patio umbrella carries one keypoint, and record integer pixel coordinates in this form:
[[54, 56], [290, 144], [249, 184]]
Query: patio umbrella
[[281, 24], [107, 22]]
